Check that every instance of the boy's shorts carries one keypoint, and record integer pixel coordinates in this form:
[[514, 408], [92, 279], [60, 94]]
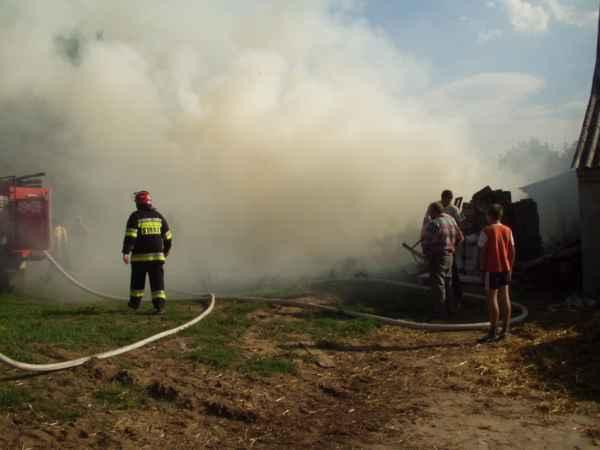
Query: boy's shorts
[[496, 280]]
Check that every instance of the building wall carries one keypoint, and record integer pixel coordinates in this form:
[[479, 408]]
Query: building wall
[[558, 206], [589, 203]]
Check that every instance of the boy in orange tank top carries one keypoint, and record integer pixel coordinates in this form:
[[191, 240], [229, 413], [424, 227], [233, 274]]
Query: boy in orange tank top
[[497, 259]]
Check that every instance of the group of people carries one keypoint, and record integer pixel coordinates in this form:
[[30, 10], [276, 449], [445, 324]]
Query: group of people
[[148, 241], [440, 238]]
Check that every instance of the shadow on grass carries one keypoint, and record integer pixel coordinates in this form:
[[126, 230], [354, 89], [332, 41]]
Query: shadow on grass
[[318, 325], [13, 397], [29, 375], [570, 363], [343, 347], [381, 299], [397, 302], [18, 398], [267, 366], [564, 353], [79, 312]]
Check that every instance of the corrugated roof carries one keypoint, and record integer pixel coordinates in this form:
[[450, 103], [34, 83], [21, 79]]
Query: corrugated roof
[[587, 154]]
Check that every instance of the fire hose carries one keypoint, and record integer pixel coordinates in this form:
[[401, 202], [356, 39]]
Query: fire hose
[[287, 302], [109, 354], [426, 326]]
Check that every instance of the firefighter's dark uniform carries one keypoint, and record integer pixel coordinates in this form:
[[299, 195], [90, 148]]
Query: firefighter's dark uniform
[[148, 239]]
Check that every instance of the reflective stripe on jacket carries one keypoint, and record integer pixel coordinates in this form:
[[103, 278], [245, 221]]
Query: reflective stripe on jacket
[[147, 236]]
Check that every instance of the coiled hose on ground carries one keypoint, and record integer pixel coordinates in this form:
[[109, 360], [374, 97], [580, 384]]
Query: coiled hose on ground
[[211, 303]]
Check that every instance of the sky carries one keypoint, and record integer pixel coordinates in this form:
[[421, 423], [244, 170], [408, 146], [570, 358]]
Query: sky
[[538, 53]]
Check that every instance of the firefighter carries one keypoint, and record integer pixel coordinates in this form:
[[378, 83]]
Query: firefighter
[[60, 250], [80, 237], [147, 244], [60, 240]]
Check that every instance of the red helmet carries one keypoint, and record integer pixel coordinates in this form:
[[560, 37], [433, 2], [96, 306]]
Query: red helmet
[[143, 198]]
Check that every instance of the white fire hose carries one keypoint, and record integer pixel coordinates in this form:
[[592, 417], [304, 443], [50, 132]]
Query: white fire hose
[[425, 325], [109, 354], [386, 320], [211, 297]]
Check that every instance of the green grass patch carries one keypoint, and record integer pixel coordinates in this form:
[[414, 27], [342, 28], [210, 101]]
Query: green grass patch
[[383, 300], [26, 327], [57, 411], [17, 398], [220, 356], [11, 397], [33, 331], [115, 396], [228, 322], [216, 339], [217, 342], [268, 366], [336, 325], [36, 331], [321, 325], [277, 292]]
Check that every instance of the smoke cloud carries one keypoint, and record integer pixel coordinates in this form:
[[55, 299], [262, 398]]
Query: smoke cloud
[[277, 137]]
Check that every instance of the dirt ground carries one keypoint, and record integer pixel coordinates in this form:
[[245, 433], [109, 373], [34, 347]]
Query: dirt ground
[[388, 389]]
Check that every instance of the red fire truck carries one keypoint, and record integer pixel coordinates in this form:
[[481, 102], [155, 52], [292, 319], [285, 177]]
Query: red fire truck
[[25, 223]]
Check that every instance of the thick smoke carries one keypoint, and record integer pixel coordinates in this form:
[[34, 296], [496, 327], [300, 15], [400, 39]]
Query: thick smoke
[[278, 137]]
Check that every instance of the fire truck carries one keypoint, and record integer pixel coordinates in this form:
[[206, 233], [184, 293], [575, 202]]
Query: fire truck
[[25, 224]]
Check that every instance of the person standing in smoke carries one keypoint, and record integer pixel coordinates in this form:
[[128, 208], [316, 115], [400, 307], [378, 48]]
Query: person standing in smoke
[[79, 239], [147, 244], [447, 208], [451, 210], [440, 238], [61, 245]]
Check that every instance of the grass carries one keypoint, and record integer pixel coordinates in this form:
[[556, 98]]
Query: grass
[[322, 325], [29, 330], [267, 366], [41, 331], [384, 300], [37, 331], [56, 411], [26, 326], [218, 356], [14, 398], [116, 396], [335, 325], [216, 341], [277, 292], [11, 397]]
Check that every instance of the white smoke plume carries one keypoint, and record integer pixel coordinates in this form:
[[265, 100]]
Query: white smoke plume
[[276, 136]]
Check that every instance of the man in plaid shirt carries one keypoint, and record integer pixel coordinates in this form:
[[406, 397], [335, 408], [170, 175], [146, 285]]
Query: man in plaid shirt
[[440, 238]]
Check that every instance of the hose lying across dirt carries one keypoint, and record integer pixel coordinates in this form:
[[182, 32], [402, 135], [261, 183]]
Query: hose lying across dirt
[[289, 302], [425, 325], [386, 320]]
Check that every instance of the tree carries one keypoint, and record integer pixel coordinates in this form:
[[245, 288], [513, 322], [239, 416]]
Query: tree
[[535, 160]]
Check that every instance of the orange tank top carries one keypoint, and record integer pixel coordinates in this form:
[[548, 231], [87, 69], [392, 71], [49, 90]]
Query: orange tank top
[[499, 244]]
